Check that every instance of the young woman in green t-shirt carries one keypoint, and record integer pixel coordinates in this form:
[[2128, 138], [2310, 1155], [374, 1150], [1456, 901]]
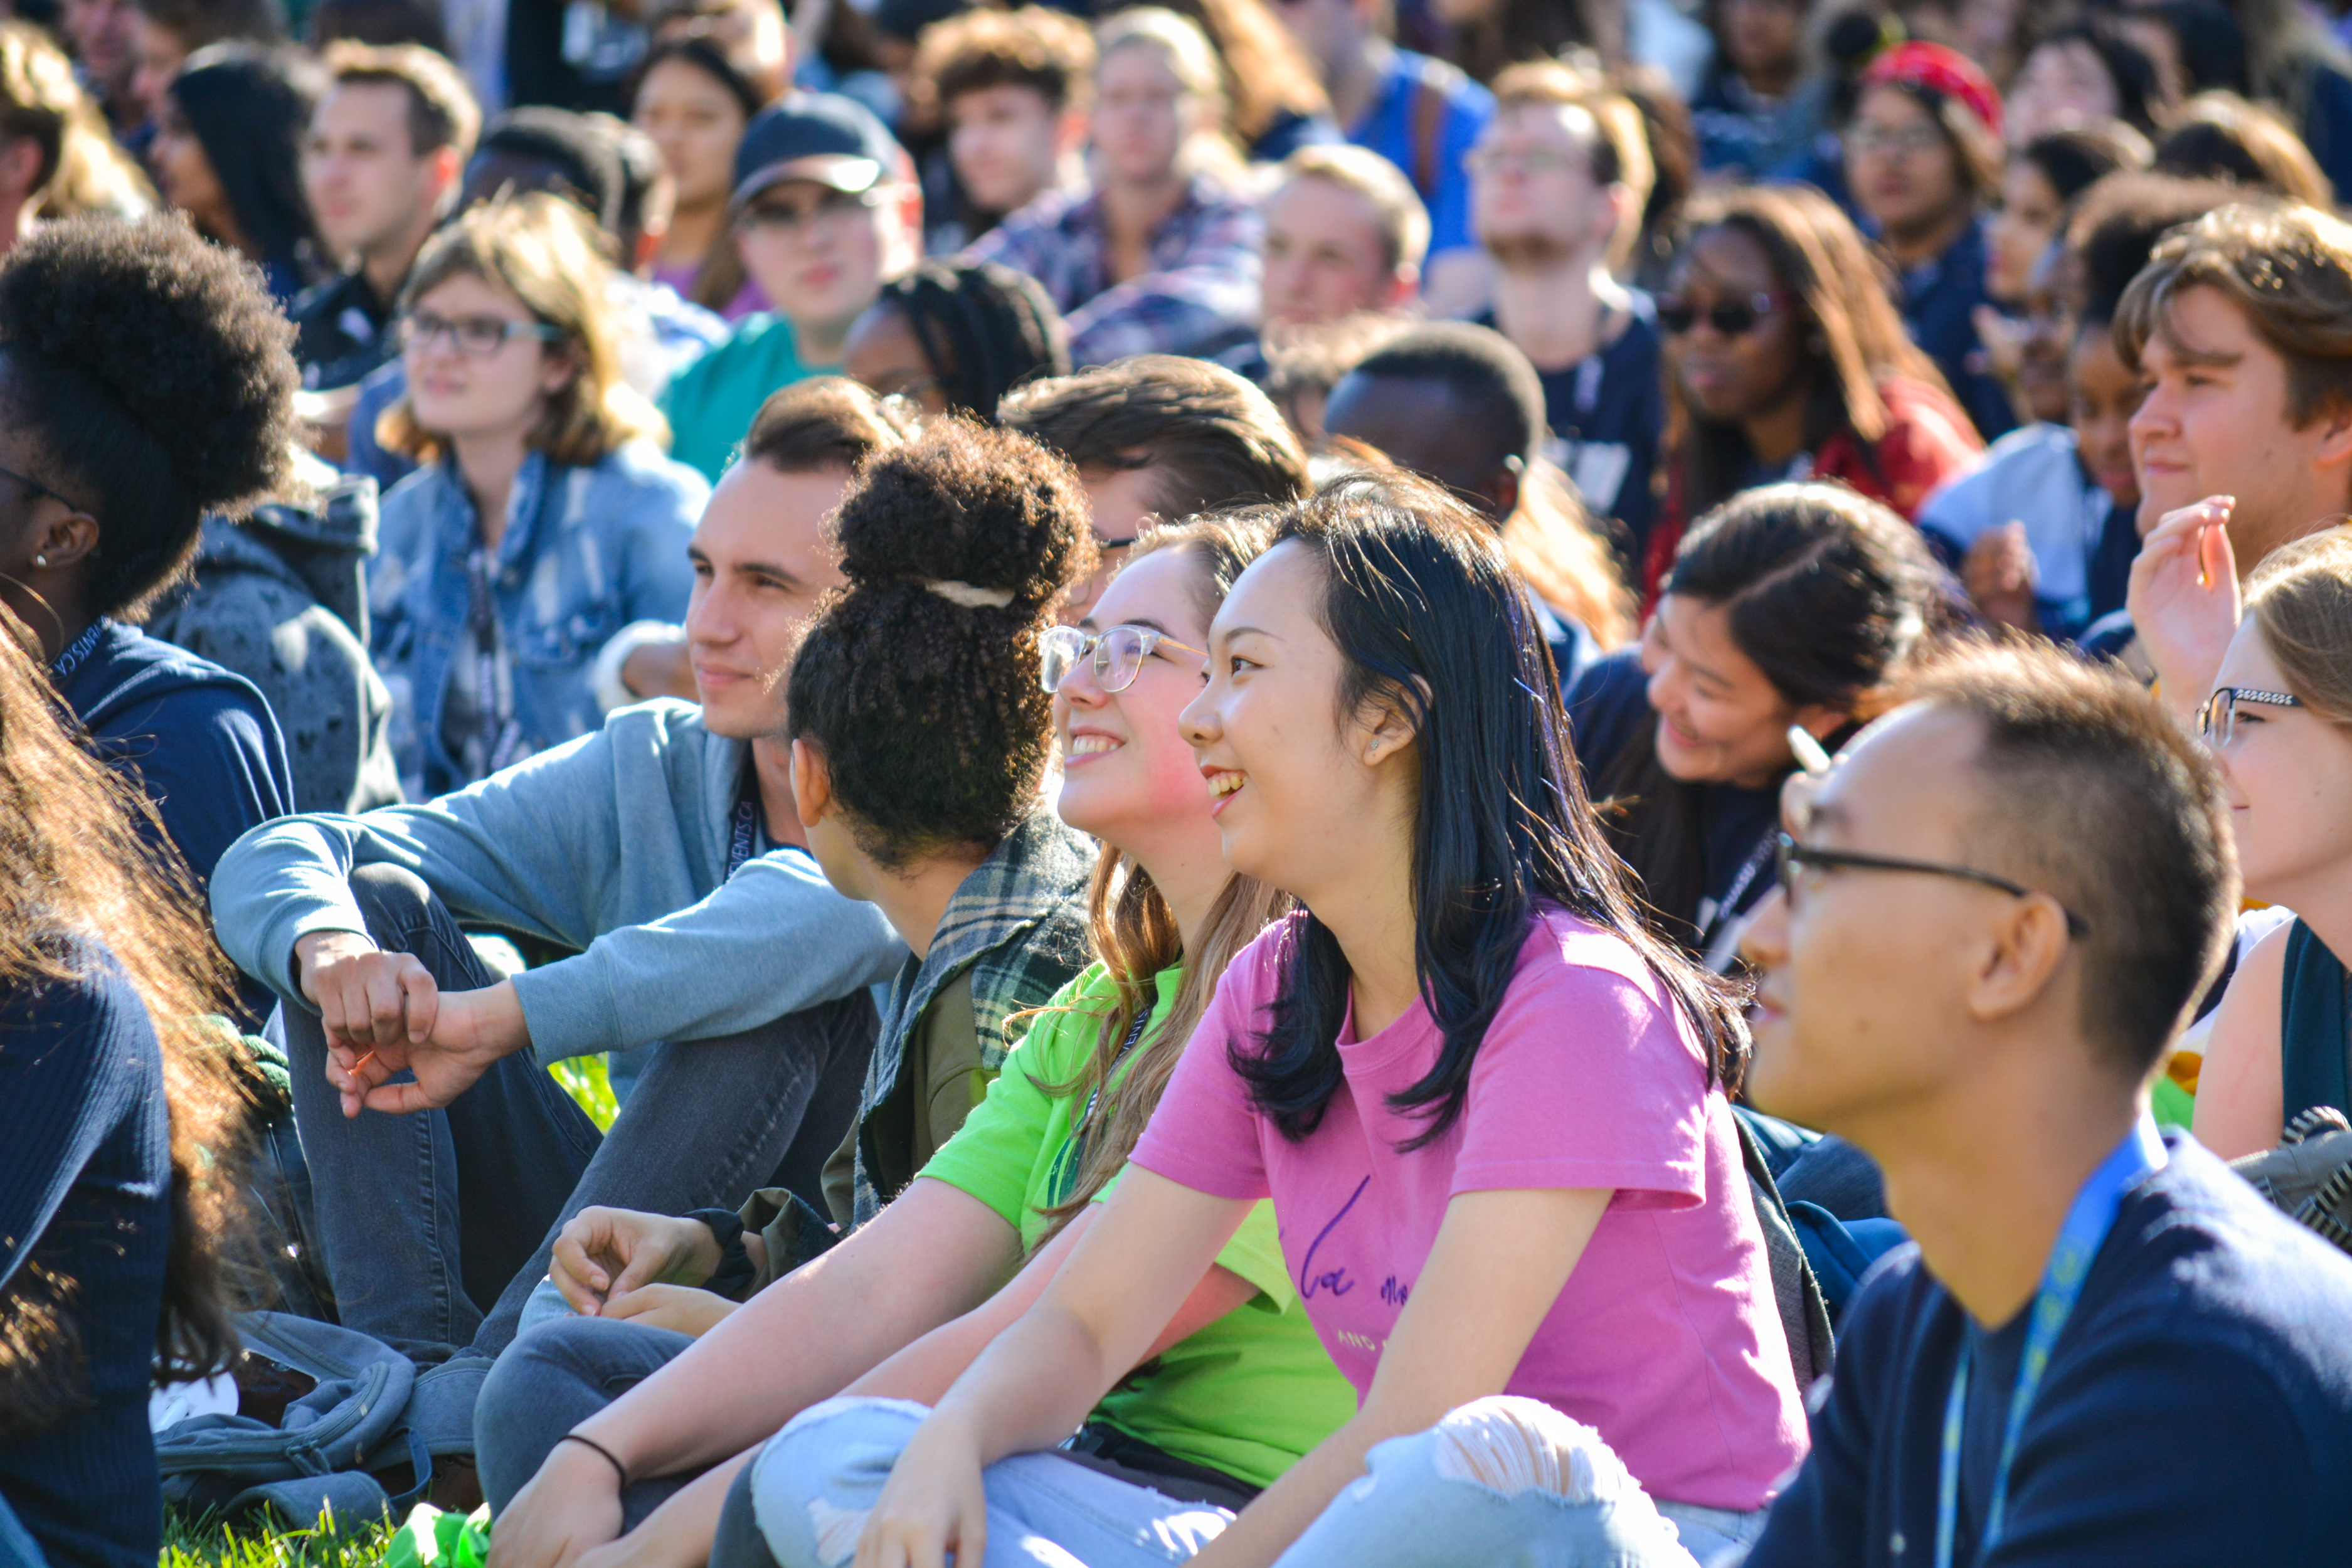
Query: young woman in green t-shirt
[[1234, 1390]]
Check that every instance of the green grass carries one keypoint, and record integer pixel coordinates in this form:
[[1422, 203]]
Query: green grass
[[583, 1080], [208, 1545]]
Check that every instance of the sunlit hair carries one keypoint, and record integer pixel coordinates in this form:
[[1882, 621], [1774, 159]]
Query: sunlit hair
[[2221, 136], [1397, 210], [2287, 268], [2300, 598], [85, 860], [83, 169], [1186, 51], [441, 108], [1266, 73], [546, 253], [1614, 136], [1134, 932], [1430, 621]]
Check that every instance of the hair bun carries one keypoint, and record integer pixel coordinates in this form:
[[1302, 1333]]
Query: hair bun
[[979, 517]]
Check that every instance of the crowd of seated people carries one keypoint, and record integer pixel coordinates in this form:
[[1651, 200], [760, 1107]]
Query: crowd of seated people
[[1249, 781]]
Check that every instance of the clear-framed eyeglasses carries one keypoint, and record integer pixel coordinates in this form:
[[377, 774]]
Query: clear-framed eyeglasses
[[1118, 654]]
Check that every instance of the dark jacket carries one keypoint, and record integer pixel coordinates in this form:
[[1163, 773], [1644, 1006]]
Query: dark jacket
[[281, 600]]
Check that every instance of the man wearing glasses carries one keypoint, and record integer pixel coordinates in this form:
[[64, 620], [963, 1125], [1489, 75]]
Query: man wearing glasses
[[826, 211], [1995, 913]]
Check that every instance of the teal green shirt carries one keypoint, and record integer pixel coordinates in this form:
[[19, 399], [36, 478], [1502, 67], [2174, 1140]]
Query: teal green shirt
[[1249, 1393], [710, 403]]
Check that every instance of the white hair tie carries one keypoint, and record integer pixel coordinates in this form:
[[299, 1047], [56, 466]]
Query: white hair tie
[[969, 596]]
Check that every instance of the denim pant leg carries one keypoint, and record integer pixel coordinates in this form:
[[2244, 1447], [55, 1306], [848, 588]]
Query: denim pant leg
[[409, 1262], [1504, 1482], [549, 1382], [708, 1122], [815, 1483]]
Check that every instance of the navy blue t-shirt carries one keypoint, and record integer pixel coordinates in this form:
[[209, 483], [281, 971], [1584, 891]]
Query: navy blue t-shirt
[[2197, 1409], [86, 1189], [1607, 412]]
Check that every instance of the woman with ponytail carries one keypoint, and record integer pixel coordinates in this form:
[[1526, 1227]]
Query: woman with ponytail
[[1490, 1108], [1239, 1387]]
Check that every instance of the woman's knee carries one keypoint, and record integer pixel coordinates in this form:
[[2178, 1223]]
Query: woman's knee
[[1510, 1445], [815, 1481]]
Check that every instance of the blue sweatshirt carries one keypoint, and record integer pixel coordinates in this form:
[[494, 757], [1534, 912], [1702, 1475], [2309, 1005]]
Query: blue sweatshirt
[[615, 844], [2197, 1409], [86, 1191]]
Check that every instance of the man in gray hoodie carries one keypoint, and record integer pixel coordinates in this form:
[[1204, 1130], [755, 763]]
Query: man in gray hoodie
[[665, 852]]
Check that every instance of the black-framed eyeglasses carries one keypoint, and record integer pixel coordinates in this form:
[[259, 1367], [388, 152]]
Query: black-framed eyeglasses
[[1789, 856], [39, 488], [2218, 720], [1729, 318], [1118, 654], [478, 337]]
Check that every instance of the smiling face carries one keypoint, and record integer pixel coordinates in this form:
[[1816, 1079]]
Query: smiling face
[[2103, 395], [1324, 256], [1863, 977], [1006, 144], [1294, 798], [1127, 776], [2286, 774], [1742, 376], [695, 122], [2215, 422], [764, 557], [1720, 718], [456, 393]]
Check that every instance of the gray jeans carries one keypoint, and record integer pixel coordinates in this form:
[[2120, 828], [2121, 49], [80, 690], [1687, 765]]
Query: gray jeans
[[435, 1227]]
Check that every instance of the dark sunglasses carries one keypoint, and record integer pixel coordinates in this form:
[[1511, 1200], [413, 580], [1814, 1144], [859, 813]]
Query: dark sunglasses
[[1729, 318], [1790, 857]]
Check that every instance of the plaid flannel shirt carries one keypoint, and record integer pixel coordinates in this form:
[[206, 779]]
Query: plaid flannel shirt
[[1019, 924], [1201, 292]]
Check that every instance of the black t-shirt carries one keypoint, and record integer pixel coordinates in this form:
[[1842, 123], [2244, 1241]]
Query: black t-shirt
[[342, 332], [1607, 411], [2197, 1409]]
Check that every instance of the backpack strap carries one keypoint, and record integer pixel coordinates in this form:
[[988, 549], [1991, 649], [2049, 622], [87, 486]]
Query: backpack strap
[[2314, 1030], [1804, 1311], [1429, 104]]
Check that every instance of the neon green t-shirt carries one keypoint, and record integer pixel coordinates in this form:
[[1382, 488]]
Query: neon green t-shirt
[[1249, 1393]]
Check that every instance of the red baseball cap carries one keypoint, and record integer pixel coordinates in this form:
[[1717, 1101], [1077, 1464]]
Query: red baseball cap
[[1943, 70]]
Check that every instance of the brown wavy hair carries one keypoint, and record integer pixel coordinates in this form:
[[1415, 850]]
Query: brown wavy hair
[[547, 253], [1133, 932], [84, 859]]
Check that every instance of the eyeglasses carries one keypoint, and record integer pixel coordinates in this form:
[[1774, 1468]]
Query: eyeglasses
[[1790, 857], [1901, 140], [830, 208], [1118, 654], [1729, 318], [477, 337], [39, 488], [2218, 720], [1524, 161]]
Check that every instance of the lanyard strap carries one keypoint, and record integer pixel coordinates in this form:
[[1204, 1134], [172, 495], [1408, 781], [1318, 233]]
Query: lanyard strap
[[2088, 1220], [1713, 914]]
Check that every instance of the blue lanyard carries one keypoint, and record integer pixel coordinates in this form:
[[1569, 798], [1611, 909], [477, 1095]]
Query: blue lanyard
[[2087, 1224]]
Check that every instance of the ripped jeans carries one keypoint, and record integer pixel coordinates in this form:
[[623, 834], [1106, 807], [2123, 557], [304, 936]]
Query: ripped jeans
[[1503, 1481]]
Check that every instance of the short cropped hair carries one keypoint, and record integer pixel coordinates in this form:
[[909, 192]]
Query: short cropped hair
[[1215, 440], [1620, 144], [2093, 794], [1489, 379], [441, 108], [1050, 52], [1403, 220], [825, 422], [2287, 266]]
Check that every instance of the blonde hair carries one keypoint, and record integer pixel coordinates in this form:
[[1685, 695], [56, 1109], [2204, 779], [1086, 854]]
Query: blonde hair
[[1190, 58], [1619, 146], [1403, 221], [542, 250], [83, 169], [2301, 598]]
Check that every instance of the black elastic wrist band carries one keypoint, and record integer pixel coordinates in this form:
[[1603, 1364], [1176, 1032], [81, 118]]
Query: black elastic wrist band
[[734, 1272], [619, 1468]]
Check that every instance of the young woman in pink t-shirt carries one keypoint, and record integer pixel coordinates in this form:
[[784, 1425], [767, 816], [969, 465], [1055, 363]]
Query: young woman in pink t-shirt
[[1488, 1105]]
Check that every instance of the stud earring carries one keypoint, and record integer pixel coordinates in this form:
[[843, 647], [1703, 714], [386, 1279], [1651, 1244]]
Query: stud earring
[[40, 561]]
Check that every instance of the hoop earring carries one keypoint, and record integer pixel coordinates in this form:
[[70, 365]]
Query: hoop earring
[[47, 608]]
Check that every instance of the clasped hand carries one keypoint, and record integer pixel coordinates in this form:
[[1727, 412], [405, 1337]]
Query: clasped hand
[[382, 1012]]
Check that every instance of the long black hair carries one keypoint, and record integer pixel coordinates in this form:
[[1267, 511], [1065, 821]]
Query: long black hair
[[251, 107], [1427, 614], [1829, 594]]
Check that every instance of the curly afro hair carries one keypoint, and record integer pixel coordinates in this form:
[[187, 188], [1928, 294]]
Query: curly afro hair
[[921, 689], [156, 379]]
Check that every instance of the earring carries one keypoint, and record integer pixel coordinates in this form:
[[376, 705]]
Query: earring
[[40, 561]]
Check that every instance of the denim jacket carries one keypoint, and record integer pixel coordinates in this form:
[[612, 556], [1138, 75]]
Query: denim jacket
[[586, 551]]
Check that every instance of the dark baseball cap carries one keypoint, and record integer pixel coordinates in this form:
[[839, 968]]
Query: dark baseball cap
[[819, 136]]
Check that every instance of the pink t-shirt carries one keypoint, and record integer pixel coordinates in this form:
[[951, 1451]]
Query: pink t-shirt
[[1666, 1338]]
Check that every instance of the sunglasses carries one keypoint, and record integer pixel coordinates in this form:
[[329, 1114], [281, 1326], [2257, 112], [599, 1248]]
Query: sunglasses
[[2218, 720], [1789, 857], [1118, 654], [1729, 318]]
